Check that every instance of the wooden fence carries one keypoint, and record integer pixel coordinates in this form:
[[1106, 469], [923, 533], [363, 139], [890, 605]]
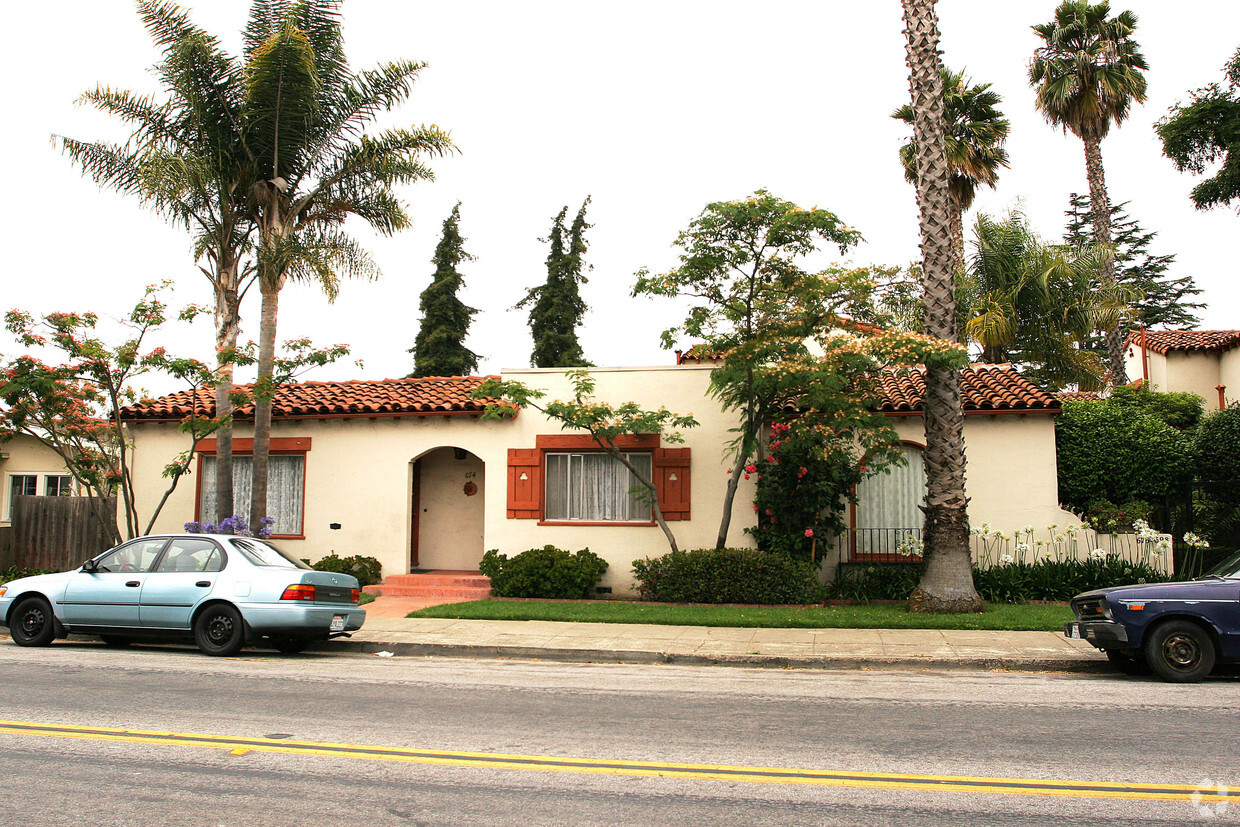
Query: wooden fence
[[57, 533]]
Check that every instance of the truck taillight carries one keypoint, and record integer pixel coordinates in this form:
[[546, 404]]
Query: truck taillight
[[355, 595], [299, 591]]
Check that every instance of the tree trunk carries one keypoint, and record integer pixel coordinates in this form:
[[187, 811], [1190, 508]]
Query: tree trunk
[[1100, 203], [947, 582], [264, 397], [956, 227], [227, 330]]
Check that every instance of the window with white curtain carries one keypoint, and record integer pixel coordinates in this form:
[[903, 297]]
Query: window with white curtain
[[286, 475], [596, 487], [893, 500]]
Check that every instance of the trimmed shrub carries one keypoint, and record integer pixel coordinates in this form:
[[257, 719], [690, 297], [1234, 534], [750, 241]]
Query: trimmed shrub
[[730, 575], [888, 581], [367, 570], [1216, 451], [548, 572], [1178, 409], [1106, 517], [1113, 452]]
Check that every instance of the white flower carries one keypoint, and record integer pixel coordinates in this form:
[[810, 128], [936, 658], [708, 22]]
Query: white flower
[[1191, 539], [1006, 560], [985, 528], [1097, 554], [1059, 538], [1022, 548], [1027, 529], [1073, 530], [1041, 543]]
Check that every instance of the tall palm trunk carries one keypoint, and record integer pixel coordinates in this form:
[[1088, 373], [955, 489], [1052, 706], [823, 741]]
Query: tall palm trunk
[[947, 582], [1100, 203], [955, 213], [227, 331], [264, 397]]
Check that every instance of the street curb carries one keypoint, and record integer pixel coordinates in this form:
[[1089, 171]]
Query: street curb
[[824, 662]]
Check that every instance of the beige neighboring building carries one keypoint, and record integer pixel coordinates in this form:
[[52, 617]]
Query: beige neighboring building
[[1204, 362], [405, 470], [27, 466]]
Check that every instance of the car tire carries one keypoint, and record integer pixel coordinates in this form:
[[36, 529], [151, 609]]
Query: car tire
[[219, 630], [116, 641], [291, 645], [1130, 662], [32, 622], [1180, 651]]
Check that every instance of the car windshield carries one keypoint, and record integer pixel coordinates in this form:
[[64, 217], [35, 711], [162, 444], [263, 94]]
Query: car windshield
[[1229, 568], [265, 554]]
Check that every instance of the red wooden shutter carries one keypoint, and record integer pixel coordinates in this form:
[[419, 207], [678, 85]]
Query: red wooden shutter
[[671, 477], [525, 488]]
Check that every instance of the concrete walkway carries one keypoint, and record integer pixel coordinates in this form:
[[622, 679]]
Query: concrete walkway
[[388, 630]]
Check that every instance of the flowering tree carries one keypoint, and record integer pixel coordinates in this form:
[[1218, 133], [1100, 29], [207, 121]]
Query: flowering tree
[[71, 407], [827, 433]]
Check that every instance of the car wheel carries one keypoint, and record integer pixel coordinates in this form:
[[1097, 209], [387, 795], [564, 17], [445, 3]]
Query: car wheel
[[291, 645], [1180, 651], [1128, 662], [116, 641], [32, 622], [219, 630]]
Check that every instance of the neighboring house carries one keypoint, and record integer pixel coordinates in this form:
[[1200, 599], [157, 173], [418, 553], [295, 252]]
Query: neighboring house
[[404, 470], [27, 466], [1204, 362]]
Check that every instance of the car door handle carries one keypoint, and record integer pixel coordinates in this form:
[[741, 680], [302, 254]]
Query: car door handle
[[203, 583], [134, 583]]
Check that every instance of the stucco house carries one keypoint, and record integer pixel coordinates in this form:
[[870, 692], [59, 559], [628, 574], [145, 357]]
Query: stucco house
[[405, 470], [1204, 362], [28, 467]]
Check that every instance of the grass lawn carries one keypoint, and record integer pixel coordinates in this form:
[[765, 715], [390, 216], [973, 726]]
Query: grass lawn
[[998, 616]]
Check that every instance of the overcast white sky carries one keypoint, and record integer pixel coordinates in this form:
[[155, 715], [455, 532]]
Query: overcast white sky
[[652, 108]]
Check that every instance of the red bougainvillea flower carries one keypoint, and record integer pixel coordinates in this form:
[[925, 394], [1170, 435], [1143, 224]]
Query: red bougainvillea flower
[[809, 532], [751, 468]]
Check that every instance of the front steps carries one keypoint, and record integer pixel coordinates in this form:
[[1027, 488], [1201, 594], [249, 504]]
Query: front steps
[[452, 586]]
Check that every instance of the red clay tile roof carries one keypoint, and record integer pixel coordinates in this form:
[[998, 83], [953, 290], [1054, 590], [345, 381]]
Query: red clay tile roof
[[1078, 396], [1162, 341], [426, 396], [985, 388]]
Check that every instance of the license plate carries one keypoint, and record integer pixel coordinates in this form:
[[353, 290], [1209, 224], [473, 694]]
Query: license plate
[[337, 623], [1074, 631]]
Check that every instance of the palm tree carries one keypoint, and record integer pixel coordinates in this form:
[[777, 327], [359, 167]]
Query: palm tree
[[1087, 75], [975, 133], [947, 581], [186, 160], [305, 113], [1034, 304]]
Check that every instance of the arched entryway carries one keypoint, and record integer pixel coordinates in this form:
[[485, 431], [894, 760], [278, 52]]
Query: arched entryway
[[447, 491]]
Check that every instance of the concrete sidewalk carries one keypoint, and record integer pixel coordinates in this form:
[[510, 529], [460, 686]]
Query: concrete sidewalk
[[387, 630]]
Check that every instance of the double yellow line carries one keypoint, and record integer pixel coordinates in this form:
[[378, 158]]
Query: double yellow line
[[545, 763]]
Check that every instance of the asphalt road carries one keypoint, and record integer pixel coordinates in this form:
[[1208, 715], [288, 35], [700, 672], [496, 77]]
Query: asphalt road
[[164, 736]]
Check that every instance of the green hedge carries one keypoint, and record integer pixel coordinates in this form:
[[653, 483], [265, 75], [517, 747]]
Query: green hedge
[[1113, 452], [1044, 580], [730, 575], [548, 572]]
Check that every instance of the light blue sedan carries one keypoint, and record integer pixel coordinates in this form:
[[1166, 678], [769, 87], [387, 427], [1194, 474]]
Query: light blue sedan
[[221, 590]]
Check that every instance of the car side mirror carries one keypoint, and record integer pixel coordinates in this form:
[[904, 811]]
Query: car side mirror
[[90, 567]]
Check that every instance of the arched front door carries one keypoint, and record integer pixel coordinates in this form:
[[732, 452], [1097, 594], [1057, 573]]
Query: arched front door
[[447, 492]]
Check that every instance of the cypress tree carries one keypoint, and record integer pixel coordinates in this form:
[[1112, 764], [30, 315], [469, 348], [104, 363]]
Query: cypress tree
[[1159, 299], [439, 349], [556, 306]]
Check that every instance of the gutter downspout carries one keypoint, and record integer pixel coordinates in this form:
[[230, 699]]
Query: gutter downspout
[[1222, 403], [1145, 362]]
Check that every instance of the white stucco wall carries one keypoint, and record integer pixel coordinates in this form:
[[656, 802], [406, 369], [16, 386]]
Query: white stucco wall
[[1229, 375], [1011, 478], [1193, 372], [25, 455], [359, 475]]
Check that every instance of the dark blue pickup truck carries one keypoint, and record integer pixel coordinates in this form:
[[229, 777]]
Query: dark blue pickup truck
[[1179, 630]]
